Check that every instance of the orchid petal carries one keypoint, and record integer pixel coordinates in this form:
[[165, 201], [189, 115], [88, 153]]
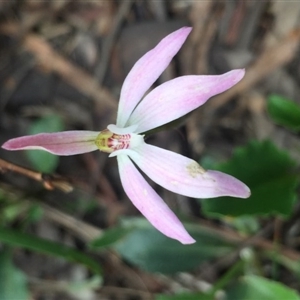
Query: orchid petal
[[184, 176], [115, 129], [60, 143], [146, 71], [147, 201], [179, 96]]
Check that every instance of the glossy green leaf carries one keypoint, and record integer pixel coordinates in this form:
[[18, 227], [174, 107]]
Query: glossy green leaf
[[255, 287], [24, 240], [284, 112], [110, 237], [42, 160], [13, 283], [154, 252], [269, 172]]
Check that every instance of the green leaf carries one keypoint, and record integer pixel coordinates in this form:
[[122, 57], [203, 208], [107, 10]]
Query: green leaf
[[255, 287], [290, 264], [195, 296], [284, 112], [10, 212], [246, 225], [41, 160], [109, 237], [13, 283], [24, 240], [150, 250], [268, 172], [34, 214]]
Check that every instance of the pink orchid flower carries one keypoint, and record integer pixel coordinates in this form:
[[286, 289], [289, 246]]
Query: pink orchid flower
[[169, 101]]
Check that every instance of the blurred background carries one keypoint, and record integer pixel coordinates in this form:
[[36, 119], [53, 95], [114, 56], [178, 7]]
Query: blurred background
[[67, 229]]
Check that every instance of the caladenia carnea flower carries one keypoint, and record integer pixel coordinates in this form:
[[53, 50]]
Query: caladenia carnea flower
[[125, 140]]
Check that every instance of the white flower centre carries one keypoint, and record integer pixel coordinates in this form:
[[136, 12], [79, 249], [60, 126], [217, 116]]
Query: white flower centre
[[114, 138]]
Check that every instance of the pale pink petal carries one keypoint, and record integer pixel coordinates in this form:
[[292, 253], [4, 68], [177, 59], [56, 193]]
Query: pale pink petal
[[60, 143], [184, 176], [146, 71], [123, 130], [149, 203], [178, 97]]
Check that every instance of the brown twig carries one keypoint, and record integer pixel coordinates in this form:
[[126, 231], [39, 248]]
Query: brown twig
[[101, 68], [229, 258], [13, 82], [200, 19], [82, 230], [51, 61], [125, 292], [257, 240], [270, 60], [49, 181], [79, 228], [206, 26]]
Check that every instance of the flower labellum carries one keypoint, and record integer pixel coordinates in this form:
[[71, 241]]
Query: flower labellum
[[167, 102]]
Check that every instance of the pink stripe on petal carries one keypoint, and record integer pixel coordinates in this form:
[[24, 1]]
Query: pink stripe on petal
[[178, 97], [184, 176], [146, 70], [149, 203], [60, 143]]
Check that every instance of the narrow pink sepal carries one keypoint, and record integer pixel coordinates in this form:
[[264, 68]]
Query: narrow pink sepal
[[184, 176], [60, 143], [179, 96], [146, 71], [149, 203]]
